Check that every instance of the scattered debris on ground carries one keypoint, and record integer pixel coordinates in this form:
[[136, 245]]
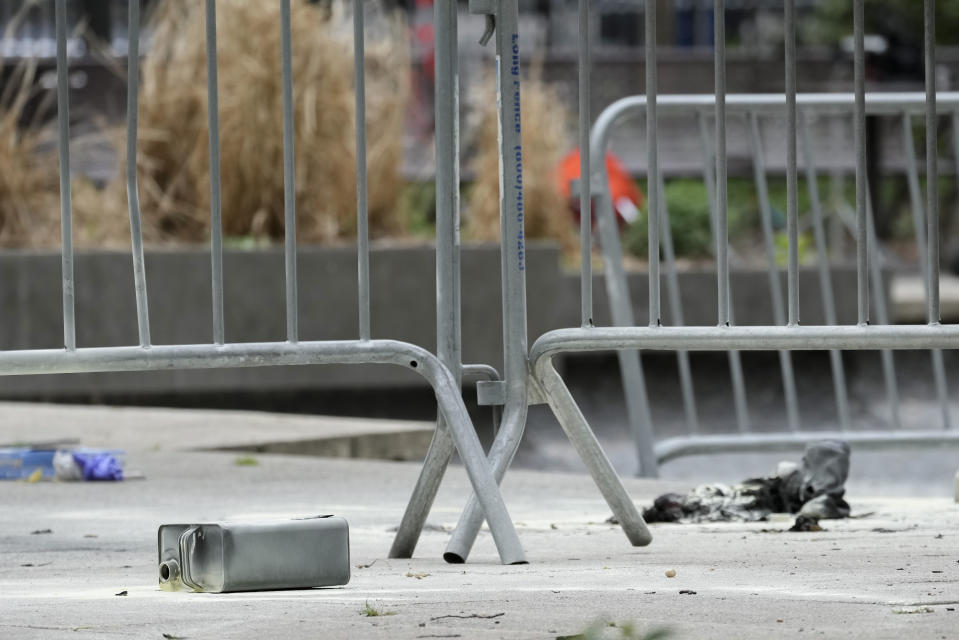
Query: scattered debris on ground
[[806, 524], [418, 576], [122, 593], [471, 616], [813, 489], [36, 463], [40, 532]]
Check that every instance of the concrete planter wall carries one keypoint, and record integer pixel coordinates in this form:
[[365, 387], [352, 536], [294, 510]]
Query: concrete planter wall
[[404, 308]]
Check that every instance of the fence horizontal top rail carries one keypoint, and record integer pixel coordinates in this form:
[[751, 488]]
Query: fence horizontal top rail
[[892, 103], [798, 338]]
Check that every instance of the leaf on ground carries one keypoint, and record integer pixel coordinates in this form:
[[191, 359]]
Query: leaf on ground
[[246, 461], [912, 611], [418, 576]]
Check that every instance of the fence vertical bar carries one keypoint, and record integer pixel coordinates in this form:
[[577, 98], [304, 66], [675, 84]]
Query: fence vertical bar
[[735, 360], [955, 145], [621, 309], [825, 279], [362, 206], [513, 261], [792, 180], [722, 186], [652, 164], [216, 190], [66, 199], [775, 285], [585, 168], [289, 175], [448, 325], [133, 189], [882, 315], [932, 164], [918, 221], [859, 128], [687, 388]]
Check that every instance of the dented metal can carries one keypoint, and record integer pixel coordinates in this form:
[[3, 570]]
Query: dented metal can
[[254, 556]]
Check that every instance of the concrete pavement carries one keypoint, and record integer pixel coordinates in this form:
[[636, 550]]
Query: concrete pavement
[[892, 573], [146, 429]]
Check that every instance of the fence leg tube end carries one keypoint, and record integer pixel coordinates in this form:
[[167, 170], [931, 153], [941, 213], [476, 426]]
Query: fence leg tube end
[[589, 450], [481, 473]]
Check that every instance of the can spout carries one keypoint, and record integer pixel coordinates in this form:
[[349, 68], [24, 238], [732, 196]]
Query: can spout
[[169, 571]]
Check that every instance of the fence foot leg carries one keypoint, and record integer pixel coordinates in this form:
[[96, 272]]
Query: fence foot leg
[[584, 441], [459, 429], [431, 475], [500, 456]]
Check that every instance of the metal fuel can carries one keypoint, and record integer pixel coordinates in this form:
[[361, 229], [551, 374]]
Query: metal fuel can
[[254, 556]]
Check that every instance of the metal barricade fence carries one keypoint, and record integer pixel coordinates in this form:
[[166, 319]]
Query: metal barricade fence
[[529, 376], [787, 335], [441, 372], [751, 110], [546, 385]]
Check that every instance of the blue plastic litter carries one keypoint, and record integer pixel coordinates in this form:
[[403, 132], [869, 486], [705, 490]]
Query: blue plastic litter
[[99, 466], [16, 464], [92, 464]]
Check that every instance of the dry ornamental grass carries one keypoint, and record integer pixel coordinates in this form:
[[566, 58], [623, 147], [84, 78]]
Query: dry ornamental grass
[[545, 141], [173, 155], [28, 181]]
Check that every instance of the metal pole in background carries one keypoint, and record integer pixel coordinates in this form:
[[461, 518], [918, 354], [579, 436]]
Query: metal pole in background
[[289, 176], [585, 169], [882, 314], [918, 221], [825, 277], [362, 207], [621, 309], [859, 128], [133, 188], [66, 200], [513, 247], [775, 285], [448, 325], [735, 360], [652, 165], [216, 199], [792, 179], [932, 164], [673, 296], [722, 186]]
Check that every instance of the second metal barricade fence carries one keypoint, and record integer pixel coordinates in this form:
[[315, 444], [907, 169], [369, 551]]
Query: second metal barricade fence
[[871, 332]]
